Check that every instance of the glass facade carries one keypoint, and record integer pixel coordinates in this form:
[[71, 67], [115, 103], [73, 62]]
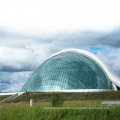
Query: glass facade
[[68, 70]]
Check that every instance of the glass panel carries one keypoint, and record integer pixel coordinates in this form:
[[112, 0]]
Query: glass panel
[[68, 70]]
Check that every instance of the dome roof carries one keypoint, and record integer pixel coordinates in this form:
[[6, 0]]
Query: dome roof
[[72, 69]]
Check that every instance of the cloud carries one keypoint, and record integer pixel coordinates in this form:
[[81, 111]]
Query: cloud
[[81, 38], [26, 53], [112, 59], [21, 59], [91, 38], [15, 58], [13, 81], [48, 18]]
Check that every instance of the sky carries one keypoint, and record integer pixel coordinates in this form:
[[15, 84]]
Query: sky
[[33, 30]]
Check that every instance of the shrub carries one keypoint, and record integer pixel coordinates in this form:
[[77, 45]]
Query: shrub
[[57, 100]]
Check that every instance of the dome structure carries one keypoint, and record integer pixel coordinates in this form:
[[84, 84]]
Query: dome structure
[[72, 69]]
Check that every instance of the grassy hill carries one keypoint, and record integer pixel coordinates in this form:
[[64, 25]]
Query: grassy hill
[[76, 106], [43, 96], [2, 97]]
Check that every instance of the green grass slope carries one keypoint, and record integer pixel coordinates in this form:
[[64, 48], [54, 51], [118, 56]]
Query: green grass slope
[[43, 96], [76, 106], [2, 97]]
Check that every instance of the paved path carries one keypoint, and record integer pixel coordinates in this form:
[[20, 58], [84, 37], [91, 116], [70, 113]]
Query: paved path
[[111, 102]]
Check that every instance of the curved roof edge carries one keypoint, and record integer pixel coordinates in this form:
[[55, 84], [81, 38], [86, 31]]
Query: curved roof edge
[[111, 74]]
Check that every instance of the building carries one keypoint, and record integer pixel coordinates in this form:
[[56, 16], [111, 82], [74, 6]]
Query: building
[[73, 70]]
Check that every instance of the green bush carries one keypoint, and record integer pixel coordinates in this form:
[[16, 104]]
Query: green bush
[[57, 100]]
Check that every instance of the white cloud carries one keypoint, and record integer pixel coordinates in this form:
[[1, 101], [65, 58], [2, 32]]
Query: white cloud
[[20, 59], [13, 81], [23, 53], [112, 58], [46, 18]]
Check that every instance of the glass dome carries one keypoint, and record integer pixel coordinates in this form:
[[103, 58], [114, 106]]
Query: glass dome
[[68, 70]]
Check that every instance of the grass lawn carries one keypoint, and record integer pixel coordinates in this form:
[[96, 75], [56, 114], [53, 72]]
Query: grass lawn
[[76, 106], [2, 97]]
